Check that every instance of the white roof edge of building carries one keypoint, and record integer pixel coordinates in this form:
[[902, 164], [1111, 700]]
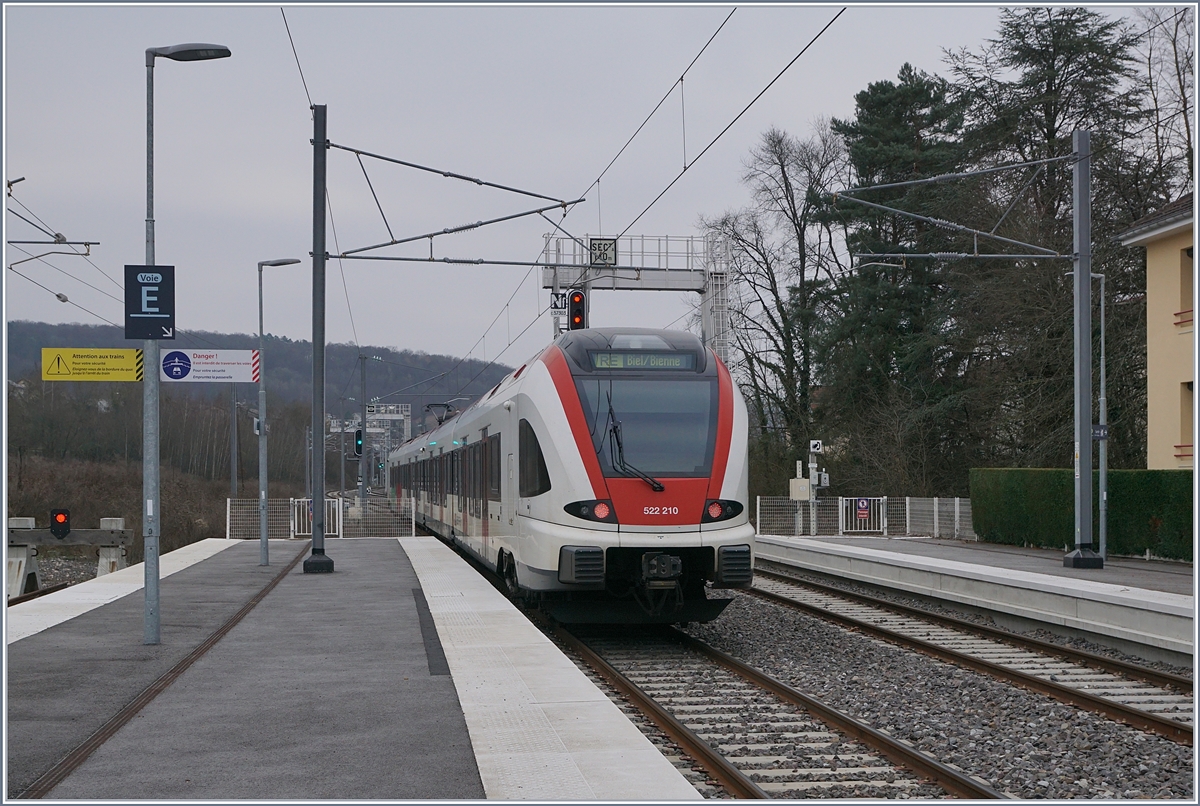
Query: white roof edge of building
[[1170, 228]]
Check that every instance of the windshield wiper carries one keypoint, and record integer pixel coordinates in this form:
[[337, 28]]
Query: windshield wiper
[[616, 450]]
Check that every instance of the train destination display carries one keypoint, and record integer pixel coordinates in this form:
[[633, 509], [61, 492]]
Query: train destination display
[[642, 360]]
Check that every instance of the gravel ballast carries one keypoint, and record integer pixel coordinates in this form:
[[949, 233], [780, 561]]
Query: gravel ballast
[[1024, 744]]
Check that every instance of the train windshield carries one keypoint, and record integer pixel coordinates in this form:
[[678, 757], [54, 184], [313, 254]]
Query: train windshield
[[655, 426]]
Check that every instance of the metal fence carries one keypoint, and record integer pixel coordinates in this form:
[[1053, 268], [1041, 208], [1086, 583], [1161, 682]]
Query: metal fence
[[889, 516], [242, 522], [380, 517], [302, 517], [292, 517]]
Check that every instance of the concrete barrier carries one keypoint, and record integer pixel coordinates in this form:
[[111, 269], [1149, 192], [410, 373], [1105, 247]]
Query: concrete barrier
[[1136, 616]]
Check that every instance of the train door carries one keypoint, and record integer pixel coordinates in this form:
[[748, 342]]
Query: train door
[[508, 504], [493, 462]]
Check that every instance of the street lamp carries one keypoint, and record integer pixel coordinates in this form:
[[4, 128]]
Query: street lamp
[[262, 415], [152, 515]]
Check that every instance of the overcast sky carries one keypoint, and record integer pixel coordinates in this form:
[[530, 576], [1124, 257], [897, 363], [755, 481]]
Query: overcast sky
[[539, 98]]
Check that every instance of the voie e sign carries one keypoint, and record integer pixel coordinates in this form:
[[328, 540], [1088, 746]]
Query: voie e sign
[[150, 302], [217, 366]]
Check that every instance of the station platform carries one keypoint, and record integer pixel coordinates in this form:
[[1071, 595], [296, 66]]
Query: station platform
[[1145, 607], [402, 675]]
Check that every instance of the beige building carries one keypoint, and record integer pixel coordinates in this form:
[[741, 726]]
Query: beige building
[[1170, 332]]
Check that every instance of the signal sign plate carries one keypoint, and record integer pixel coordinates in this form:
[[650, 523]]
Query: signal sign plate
[[603, 251], [558, 303], [91, 364]]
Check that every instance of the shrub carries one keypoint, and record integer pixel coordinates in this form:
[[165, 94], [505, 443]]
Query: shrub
[[1147, 509]]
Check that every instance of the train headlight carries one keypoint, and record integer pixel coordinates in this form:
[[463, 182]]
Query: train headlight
[[720, 510], [601, 511]]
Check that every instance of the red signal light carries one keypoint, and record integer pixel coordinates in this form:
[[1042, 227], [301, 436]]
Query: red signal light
[[60, 522], [576, 310]]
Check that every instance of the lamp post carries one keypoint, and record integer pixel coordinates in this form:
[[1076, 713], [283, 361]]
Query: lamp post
[[262, 415], [152, 516]]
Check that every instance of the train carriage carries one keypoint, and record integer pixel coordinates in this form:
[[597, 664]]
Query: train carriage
[[606, 478]]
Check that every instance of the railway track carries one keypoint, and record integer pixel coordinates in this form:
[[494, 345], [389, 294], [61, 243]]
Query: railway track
[[1143, 698], [754, 735]]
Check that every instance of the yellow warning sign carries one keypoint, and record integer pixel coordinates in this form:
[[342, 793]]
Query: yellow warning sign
[[91, 364]]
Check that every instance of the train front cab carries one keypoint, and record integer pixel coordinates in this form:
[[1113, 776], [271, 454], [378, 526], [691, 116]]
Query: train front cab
[[659, 433]]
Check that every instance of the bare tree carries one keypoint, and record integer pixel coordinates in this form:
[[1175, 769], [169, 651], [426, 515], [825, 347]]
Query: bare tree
[[1168, 52], [784, 247]]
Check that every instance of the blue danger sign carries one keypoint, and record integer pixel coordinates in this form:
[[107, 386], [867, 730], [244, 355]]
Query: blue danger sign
[[863, 509], [150, 302]]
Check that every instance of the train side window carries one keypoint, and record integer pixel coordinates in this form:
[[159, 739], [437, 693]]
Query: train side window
[[493, 467], [534, 479]]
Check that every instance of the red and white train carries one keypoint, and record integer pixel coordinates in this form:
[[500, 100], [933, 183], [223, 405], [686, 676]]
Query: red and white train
[[606, 477]]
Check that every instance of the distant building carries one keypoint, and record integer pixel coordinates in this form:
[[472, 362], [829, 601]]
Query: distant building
[[1170, 331]]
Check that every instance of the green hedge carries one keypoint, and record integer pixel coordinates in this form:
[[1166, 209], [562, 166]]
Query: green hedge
[[1147, 509]]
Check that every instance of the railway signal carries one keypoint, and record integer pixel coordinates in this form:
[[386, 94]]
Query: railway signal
[[576, 310], [60, 523], [358, 443]]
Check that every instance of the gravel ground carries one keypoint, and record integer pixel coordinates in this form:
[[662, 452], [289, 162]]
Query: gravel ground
[[54, 570], [1025, 744]]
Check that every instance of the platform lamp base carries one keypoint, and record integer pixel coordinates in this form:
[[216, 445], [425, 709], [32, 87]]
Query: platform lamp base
[[1083, 558], [318, 563]]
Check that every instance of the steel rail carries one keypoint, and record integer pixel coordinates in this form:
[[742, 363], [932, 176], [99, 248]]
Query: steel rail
[[716, 765], [25, 597], [69, 763], [951, 779], [1169, 728], [1090, 658], [730, 777]]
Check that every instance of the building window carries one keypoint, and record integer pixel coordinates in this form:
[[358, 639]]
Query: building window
[[1186, 286], [1184, 449]]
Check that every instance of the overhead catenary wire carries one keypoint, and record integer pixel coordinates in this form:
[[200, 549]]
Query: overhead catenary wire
[[341, 269], [595, 184], [63, 297], [732, 122], [67, 273], [47, 229], [511, 342], [659, 104], [297, 57], [448, 174]]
